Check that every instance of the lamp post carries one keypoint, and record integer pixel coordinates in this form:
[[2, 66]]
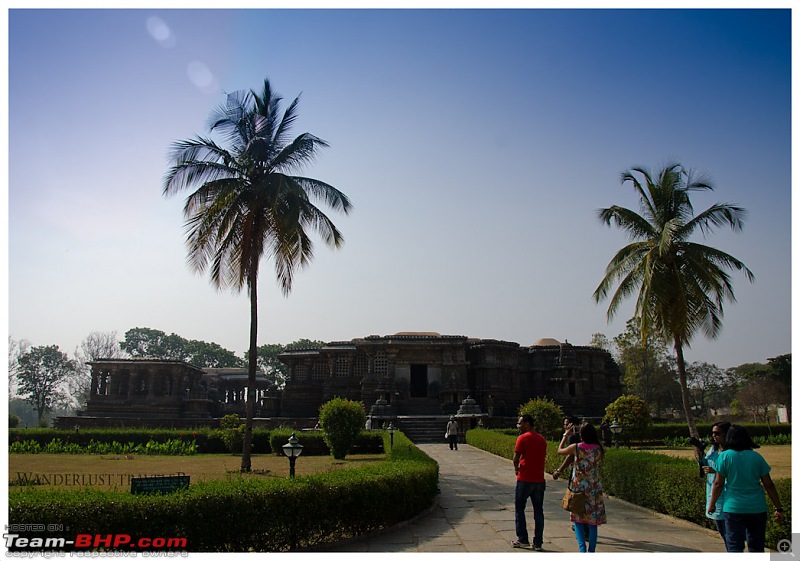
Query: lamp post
[[616, 428], [391, 430], [292, 450]]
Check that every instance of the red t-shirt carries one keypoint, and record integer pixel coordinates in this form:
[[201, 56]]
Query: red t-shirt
[[532, 448]]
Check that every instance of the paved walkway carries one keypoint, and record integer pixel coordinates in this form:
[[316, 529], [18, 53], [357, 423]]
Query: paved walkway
[[475, 512]]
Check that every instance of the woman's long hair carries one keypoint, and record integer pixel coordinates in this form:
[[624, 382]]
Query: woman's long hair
[[589, 436], [739, 439]]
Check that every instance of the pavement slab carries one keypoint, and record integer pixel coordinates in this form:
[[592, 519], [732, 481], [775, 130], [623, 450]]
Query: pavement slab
[[475, 513]]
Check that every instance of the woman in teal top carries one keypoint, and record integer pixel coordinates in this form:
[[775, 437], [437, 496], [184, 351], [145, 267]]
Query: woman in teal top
[[709, 464], [741, 472]]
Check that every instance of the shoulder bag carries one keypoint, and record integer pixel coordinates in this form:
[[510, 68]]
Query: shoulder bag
[[574, 501]]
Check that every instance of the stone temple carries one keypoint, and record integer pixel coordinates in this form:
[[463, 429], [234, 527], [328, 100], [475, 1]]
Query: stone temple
[[405, 374]]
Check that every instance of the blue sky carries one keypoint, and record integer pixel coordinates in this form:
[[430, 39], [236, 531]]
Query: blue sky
[[476, 146]]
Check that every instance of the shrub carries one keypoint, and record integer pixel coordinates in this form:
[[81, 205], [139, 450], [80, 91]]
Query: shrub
[[13, 421], [151, 448], [341, 421], [655, 481], [501, 443], [547, 416], [232, 433], [632, 413], [207, 440], [246, 514]]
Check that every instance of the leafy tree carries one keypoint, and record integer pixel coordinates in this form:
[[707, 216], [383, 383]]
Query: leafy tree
[[756, 397], [269, 363], [272, 367], [600, 341], [15, 350], [682, 285], [232, 432], [647, 368], [42, 376], [143, 342], [211, 355], [706, 382], [246, 204], [749, 371], [13, 421], [631, 412], [781, 371], [341, 421], [305, 344], [780, 368], [547, 416]]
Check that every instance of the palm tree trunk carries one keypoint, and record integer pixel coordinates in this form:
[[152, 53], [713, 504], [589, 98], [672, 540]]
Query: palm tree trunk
[[687, 409], [251, 373]]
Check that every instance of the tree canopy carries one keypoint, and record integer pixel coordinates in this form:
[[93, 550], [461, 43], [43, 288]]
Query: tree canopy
[[42, 377], [681, 286], [246, 203]]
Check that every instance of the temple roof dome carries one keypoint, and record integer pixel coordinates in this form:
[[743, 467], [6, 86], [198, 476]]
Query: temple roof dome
[[546, 342]]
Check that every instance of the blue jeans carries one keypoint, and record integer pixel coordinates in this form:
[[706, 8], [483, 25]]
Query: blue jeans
[[721, 528], [536, 493], [584, 532], [748, 527]]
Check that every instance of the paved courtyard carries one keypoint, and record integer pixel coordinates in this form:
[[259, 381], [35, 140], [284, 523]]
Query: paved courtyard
[[475, 513]]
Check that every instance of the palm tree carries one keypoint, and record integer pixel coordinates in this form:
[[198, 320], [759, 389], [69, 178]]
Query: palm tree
[[246, 205], [681, 285]]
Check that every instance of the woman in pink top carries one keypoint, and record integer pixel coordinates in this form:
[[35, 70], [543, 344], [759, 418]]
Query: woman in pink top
[[588, 454]]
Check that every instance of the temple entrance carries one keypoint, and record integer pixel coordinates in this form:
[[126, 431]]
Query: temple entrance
[[418, 386]]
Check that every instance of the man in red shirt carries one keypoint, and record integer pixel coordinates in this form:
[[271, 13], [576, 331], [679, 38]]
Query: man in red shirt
[[529, 456]]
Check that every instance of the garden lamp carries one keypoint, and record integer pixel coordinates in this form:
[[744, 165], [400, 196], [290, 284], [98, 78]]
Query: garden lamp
[[616, 428], [292, 450], [391, 430]]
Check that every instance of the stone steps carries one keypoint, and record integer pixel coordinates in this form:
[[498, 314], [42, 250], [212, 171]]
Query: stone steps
[[427, 429]]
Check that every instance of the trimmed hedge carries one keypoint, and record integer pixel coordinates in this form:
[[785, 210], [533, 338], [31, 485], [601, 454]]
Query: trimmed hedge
[[656, 481], [660, 431], [208, 440], [501, 443], [242, 515], [367, 442]]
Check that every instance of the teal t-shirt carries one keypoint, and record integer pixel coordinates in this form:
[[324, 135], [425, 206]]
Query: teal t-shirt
[[710, 460], [743, 472]]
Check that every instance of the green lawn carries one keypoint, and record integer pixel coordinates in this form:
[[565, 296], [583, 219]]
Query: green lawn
[[778, 457]]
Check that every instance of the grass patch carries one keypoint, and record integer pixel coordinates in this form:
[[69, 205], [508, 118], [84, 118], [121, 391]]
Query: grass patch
[[110, 472], [778, 457]]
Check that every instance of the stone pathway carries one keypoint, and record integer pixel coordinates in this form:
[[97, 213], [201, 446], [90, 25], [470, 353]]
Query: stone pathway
[[475, 513]]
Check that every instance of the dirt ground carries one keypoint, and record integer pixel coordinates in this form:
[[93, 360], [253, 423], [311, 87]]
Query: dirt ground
[[778, 457]]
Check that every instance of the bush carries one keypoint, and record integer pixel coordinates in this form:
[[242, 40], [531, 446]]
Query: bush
[[662, 483], [632, 413], [367, 442], [208, 440], [247, 514], [547, 416], [678, 432], [502, 443], [341, 421], [232, 433], [13, 421], [151, 448]]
